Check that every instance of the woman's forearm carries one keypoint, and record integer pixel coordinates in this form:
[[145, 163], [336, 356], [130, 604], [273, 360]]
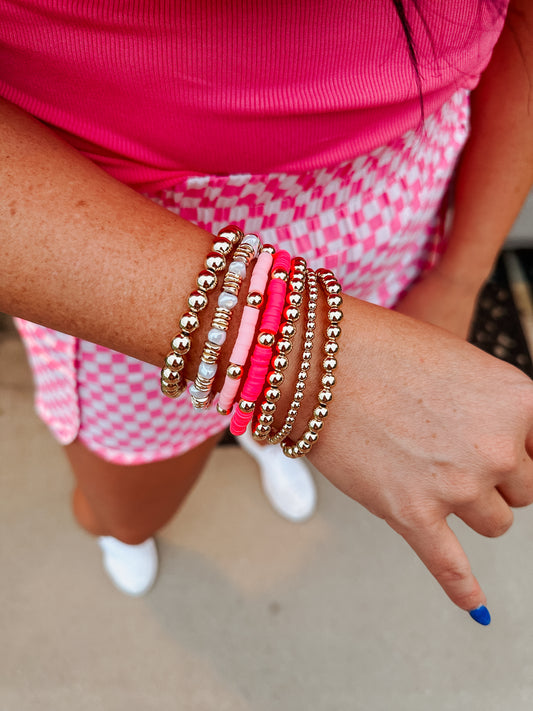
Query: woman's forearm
[[84, 254], [496, 169]]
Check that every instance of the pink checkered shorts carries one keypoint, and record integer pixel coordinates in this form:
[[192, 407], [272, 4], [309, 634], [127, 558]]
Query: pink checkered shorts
[[377, 222]]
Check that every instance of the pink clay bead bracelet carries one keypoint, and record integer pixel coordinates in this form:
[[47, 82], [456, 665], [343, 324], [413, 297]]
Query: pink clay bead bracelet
[[262, 352], [250, 316]]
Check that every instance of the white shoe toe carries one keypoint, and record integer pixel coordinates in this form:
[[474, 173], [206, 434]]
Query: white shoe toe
[[287, 483], [132, 569]]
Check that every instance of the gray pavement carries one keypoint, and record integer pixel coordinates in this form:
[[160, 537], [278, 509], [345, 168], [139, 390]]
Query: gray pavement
[[250, 613]]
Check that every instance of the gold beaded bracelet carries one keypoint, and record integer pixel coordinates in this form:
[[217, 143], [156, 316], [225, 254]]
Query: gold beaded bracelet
[[262, 423], [333, 290], [172, 381], [305, 365]]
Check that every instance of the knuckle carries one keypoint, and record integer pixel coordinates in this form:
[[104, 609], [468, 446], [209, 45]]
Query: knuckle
[[451, 572], [498, 525], [505, 459], [405, 518], [466, 494]]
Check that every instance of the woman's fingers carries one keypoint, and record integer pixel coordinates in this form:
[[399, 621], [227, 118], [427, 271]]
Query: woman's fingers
[[517, 490], [489, 515], [440, 551]]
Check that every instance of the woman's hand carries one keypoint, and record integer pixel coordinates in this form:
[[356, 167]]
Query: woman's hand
[[441, 300], [423, 425]]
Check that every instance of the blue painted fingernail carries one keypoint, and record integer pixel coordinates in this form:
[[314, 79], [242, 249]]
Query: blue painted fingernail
[[480, 615]]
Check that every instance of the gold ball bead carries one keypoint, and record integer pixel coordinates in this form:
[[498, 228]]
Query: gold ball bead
[[261, 431], [291, 313], [222, 246], [323, 272], [334, 301], [170, 391], [324, 396], [333, 331], [269, 248], [221, 411], [206, 280], [275, 379], [320, 412], [280, 274], [331, 347], [189, 322], [298, 396], [315, 425], [268, 408], [329, 363], [334, 288], [310, 437], [308, 345], [266, 420], [334, 315], [328, 380], [246, 406], [305, 365], [170, 376], [197, 300], [300, 386], [231, 233], [254, 299], [298, 286], [181, 344], [174, 361], [303, 446], [306, 356], [215, 261], [288, 330], [295, 299], [266, 339], [234, 371], [284, 346], [280, 362], [302, 375], [272, 394]]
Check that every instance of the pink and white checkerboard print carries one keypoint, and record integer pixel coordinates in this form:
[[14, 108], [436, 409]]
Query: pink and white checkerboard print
[[376, 222]]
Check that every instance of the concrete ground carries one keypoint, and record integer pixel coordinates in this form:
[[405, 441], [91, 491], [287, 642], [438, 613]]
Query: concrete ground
[[250, 613]]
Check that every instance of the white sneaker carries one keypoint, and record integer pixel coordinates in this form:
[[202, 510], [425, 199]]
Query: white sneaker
[[287, 483], [132, 569]]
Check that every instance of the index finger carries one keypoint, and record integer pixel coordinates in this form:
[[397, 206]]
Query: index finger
[[440, 551]]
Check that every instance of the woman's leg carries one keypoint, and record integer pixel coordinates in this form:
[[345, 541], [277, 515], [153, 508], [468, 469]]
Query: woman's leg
[[131, 503]]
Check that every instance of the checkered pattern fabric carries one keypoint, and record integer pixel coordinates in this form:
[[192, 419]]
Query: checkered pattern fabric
[[375, 221]]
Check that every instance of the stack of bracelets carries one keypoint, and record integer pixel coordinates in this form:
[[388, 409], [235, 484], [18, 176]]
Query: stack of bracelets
[[281, 292]]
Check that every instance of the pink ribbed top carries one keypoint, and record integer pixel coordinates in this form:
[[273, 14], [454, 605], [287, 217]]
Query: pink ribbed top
[[155, 90]]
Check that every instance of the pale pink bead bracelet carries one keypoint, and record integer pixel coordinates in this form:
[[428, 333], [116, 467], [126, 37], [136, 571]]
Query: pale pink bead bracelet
[[262, 352], [245, 336]]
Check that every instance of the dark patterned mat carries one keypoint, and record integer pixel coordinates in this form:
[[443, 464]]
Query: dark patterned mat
[[496, 327]]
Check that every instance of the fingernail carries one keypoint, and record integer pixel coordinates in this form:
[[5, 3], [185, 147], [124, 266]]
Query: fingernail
[[480, 615]]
